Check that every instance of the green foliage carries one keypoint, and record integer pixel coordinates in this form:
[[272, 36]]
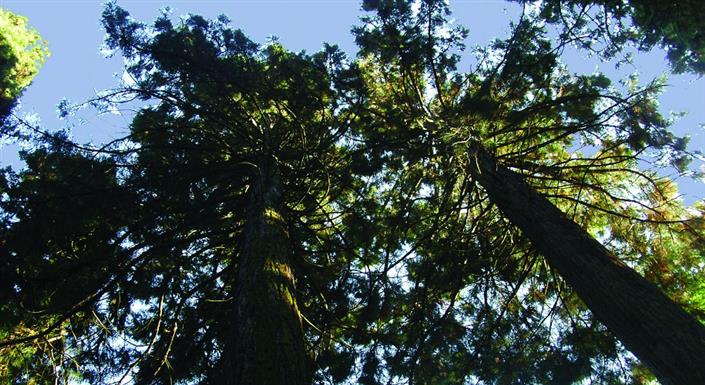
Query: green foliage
[[525, 106], [55, 263], [670, 25], [22, 52], [219, 111], [406, 272]]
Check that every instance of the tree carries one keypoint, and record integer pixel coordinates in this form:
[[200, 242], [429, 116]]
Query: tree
[[517, 96], [47, 249], [669, 25], [288, 218], [227, 176], [22, 52], [650, 324]]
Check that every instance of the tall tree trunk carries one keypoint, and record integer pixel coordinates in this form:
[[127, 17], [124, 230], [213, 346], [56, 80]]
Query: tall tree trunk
[[268, 345], [658, 331]]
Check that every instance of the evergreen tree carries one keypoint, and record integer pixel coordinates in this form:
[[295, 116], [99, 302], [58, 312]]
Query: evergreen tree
[[670, 25], [288, 218], [227, 173], [22, 52], [528, 115]]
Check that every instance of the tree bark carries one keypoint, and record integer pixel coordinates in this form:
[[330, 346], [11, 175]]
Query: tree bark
[[653, 327], [268, 342]]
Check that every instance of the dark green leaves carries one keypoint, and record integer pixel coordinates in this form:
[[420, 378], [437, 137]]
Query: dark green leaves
[[405, 269], [669, 25]]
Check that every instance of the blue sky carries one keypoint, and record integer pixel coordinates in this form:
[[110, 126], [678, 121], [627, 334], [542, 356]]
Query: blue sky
[[76, 70]]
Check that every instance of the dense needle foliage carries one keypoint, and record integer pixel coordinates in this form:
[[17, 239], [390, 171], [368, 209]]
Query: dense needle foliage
[[670, 25], [124, 262], [22, 52]]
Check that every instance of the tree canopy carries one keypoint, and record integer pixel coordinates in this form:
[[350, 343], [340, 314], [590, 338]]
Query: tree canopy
[[22, 52], [276, 217], [669, 25]]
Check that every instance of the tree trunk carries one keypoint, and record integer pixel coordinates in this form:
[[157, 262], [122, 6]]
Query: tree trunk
[[268, 345], [653, 327]]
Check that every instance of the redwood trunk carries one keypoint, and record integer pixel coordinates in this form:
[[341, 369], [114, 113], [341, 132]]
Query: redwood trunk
[[653, 327], [268, 342]]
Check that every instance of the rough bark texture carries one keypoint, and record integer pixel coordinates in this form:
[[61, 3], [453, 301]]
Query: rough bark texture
[[653, 327], [268, 345]]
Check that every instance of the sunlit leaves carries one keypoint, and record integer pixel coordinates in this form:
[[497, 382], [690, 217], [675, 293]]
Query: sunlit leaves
[[22, 52], [406, 271]]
